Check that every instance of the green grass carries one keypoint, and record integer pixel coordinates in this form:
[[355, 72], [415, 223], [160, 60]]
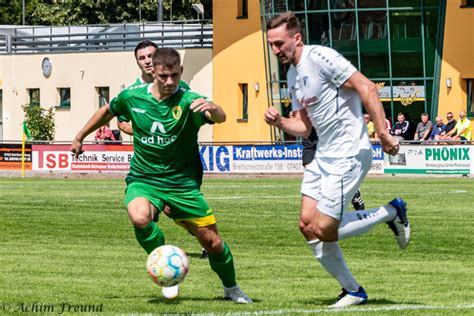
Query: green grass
[[70, 241]]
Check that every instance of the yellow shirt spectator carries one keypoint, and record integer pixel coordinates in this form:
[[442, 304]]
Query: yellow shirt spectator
[[464, 124], [370, 125], [371, 129]]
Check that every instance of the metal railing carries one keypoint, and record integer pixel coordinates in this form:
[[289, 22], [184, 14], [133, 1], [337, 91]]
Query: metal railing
[[116, 37]]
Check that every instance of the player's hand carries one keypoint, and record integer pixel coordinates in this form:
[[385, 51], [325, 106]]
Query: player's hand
[[272, 116], [202, 105], [76, 148], [390, 144]]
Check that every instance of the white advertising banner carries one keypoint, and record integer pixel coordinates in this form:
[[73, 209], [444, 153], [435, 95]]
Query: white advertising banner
[[215, 159], [437, 159]]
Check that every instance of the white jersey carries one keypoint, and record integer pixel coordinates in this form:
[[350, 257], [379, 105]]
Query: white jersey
[[336, 113]]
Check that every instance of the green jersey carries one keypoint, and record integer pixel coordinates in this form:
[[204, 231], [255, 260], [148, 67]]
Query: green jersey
[[165, 133], [140, 81]]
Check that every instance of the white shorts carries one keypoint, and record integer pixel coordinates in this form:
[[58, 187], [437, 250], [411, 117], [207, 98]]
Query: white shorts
[[333, 182]]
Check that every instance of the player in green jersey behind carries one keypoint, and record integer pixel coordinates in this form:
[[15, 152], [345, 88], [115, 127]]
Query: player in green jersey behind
[[143, 56], [166, 167]]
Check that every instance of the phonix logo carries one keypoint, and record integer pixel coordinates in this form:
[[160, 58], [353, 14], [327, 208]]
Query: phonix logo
[[447, 153]]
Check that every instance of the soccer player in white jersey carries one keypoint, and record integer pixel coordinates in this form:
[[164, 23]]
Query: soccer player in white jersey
[[327, 92]]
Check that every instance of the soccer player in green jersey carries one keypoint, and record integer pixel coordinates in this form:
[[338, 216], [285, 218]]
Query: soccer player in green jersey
[[143, 56], [166, 167]]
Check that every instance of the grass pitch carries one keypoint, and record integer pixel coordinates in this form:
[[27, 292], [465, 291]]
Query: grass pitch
[[66, 246]]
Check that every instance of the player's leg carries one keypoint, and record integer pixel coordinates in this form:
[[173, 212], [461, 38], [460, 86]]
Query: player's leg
[[328, 254], [167, 212], [141, 206], [221, 261], [340, 180], [191, 210]]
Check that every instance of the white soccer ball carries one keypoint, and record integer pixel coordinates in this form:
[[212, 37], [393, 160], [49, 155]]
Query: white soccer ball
[[167, 265]]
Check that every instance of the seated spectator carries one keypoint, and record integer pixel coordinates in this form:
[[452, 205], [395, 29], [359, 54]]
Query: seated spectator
[[463, 127], [401, 128], [438, 129], [370, 126], [104, 134], [423, 130], [449, 131]]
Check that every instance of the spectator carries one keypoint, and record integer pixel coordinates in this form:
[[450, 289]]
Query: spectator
[[463, 127], [401, 128], [449, 131], [423, 130], [104, 134], [370, 126], [438, 129]]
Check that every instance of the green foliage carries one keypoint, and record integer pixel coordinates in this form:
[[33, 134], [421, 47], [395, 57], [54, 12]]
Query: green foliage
[[71, 241], [80, 12], [40, 122]]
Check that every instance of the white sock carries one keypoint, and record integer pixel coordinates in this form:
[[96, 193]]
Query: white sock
[[330, 256], [360, 222]]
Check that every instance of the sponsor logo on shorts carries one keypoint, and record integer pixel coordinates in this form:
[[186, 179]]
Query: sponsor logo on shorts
[[328, 202]]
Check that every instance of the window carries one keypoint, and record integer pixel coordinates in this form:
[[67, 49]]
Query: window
[[64, 97], [242, 9], [467, 4], [243, 102], [103, 95], [470, 97], [34, 96]]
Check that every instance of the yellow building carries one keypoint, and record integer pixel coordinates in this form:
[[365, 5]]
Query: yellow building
[[418, 52]]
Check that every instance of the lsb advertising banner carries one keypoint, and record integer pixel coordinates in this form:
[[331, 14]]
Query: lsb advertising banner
[[94, 158]]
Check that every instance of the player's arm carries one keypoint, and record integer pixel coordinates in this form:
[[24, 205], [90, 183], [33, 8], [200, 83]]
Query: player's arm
[[299, 125], [101, 117], [212, 111], [370, 98], [125, 127]]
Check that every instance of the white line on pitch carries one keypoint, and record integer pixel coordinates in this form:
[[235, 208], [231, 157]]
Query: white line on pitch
[[351, 310]]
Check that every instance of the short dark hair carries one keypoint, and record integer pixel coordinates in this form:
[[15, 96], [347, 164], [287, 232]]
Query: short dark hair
[[289, 19], [166, 56], [144, 44]]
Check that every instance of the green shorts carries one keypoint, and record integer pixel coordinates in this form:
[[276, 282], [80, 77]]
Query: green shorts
[[186, 205]]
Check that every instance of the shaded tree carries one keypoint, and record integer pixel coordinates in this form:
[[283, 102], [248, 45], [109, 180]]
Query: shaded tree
[[80, 12]]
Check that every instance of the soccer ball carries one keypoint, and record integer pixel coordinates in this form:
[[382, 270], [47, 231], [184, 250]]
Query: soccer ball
[[167, 265]]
